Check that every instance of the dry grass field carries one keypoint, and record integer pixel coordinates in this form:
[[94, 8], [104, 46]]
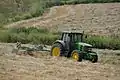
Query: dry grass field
[[41, 66], [96, 19]]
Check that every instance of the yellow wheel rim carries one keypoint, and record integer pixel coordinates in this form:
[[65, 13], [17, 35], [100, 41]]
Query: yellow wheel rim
[[75, 56], [56, 51], [93, 59]]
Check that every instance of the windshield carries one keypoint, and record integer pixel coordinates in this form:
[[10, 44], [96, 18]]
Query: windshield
[[76, 38]]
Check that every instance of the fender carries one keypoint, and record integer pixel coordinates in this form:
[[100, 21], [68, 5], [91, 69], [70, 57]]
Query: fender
[[61, 42]]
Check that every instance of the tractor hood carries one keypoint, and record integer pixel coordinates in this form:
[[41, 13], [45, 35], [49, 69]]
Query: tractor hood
[[85, 44]]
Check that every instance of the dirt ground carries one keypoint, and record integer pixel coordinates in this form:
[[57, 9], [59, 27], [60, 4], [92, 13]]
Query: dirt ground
[[41, 66]]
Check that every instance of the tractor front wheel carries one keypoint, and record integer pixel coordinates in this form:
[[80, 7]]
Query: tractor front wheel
[[56, 49], [94, 58], [76, 55]]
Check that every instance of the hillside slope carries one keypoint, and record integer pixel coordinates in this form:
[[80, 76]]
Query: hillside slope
[[97, 19]]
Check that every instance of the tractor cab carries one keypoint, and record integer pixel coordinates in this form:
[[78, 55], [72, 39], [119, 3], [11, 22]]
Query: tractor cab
[[71, 45], [71, 38]]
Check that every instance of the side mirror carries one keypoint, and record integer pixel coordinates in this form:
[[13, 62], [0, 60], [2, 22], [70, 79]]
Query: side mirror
[[85, 36]]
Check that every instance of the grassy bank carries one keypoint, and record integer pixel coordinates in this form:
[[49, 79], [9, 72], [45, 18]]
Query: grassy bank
[[43, 36], [16, 10], [104, 42], [27, 35]]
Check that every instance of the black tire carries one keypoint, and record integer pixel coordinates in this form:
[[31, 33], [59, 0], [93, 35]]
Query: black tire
[[57, 45], [79, 55], [94, 59]]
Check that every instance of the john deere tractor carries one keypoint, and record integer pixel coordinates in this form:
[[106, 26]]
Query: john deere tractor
[[71, 45]]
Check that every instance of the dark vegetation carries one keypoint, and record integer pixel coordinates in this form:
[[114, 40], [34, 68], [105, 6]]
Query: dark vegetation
[[27, 35], [43, 36], [104, 42], [16, 10]]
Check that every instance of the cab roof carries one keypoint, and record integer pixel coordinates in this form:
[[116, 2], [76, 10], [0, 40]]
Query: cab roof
[[72, 31]]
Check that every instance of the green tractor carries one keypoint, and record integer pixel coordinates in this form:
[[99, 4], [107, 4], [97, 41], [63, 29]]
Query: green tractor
[[71, 45]]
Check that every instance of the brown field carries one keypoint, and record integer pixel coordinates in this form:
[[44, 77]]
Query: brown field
[[96, 19], [41, 66]]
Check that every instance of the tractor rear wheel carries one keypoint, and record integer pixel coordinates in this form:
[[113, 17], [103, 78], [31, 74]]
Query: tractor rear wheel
[[76, 55], [57, 49], [94, 58]]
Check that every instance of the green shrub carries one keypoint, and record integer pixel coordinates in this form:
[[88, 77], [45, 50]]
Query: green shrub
[[27, 35], [43, 36], [104, 42], [4, 37]]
